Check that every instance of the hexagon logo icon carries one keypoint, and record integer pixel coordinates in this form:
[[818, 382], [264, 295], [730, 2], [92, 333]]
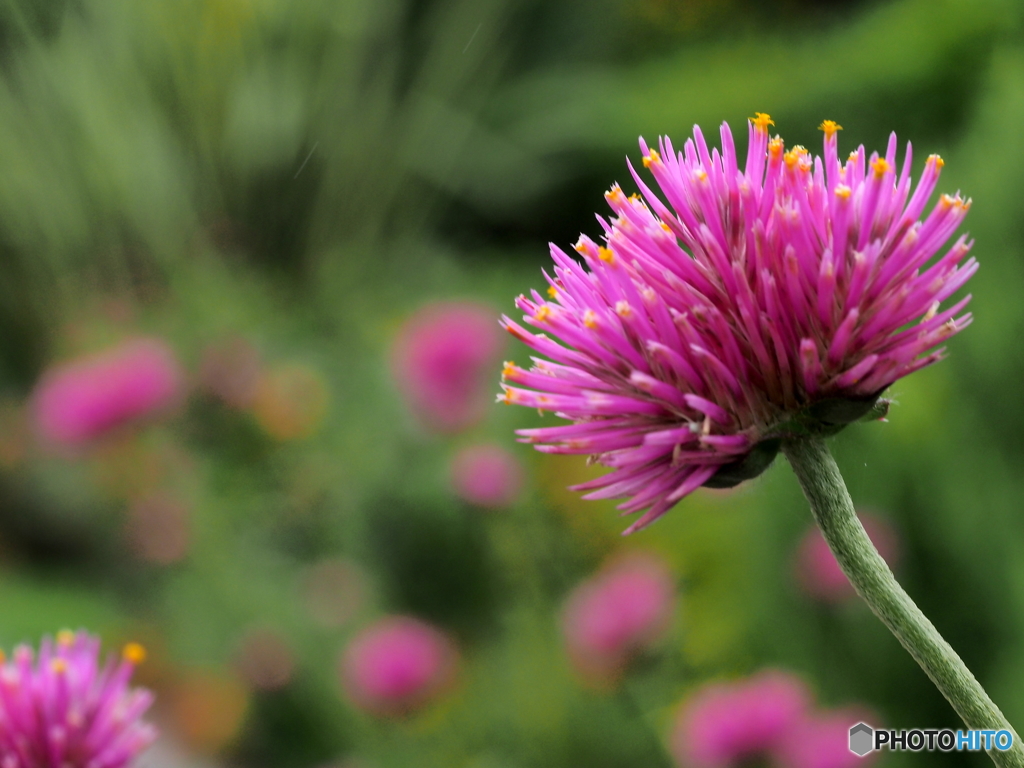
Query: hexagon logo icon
[[861, 739]]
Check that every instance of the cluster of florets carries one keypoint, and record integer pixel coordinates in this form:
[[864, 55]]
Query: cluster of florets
[[62, 709], [745, 303]]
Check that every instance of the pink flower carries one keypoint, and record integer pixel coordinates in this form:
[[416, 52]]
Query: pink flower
[[817, 570], [79, 401], [487, 475], [755, 303], [724, 724], [822, 741], [620, 611], [63, 709], [397, 665], [441, 360]]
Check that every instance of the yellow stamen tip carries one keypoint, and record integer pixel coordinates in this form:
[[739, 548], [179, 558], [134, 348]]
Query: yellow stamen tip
[[615, 193], [761, 121], [542, 313], [605, 255], [880, 167], [651, 158], [666, 227], [590, 319], [508, 370], [775, 146], [59, 666], [830, 127], [794, 155], [552, 292], [65, 637], [134, 653], [939, 162], [842, 192]]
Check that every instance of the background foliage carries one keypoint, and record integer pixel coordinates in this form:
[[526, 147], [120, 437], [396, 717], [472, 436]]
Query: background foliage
[[305, 175]]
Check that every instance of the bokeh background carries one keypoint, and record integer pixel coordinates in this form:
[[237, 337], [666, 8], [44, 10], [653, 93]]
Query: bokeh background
[[281, 194]]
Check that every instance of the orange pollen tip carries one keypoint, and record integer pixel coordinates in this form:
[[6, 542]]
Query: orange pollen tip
[[634, 197], [842, 191], [775, 146], [666, 227], [701, 175], [542, 313], [945, 201], [761, 121], [59, 666], [651, 158], [580, 246], [590, 319], [614, 193], [133, 653], [939, 162], [622, 309], [552, 292], [853, 155], [794, 155], [508, 370], [880, 167], [65, 637], [605, 255], [830, 127]]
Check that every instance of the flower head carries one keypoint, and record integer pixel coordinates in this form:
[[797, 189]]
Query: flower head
[[397, 665], [725, 724], [487, 475], [617, 613], [63, 708], [740, 306], [441, 360], [86, 398]]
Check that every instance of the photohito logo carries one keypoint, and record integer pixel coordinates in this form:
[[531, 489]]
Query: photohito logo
[[865, 739]]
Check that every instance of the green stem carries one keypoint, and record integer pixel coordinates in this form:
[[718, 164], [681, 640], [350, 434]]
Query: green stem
[[833, 510]]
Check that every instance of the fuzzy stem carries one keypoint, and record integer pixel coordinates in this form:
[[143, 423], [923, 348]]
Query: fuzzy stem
[[833, 510]]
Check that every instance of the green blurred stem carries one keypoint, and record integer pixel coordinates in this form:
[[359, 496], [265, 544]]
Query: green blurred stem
[[833, 510]]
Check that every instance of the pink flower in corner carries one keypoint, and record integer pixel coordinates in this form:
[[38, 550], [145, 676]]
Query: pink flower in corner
[[79, 401], [818, 571], [619, 612], [63, 708], [725, 724], [487, 475], [397, 665], [441, 360], [822, 741]]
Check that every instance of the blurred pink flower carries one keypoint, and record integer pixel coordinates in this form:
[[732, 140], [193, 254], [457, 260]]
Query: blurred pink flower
[[817, 570], [230, 370], [487, 475], [333, 591], [63, 709], [83, 399], [724, 724], [158, 528], [617, 613], [440, 361], [397, 665], [265, 659], [822, 741]]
